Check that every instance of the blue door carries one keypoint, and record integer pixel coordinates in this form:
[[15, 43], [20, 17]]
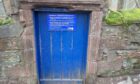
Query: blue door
[[61, 46]]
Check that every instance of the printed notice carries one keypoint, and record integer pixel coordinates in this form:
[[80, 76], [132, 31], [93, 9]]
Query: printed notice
[[61, 22]]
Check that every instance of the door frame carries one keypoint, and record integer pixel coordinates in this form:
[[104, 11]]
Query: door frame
[[52, 10], [95, 7]]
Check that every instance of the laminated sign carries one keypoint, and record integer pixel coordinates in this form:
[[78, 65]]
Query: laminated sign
[[61, 22]]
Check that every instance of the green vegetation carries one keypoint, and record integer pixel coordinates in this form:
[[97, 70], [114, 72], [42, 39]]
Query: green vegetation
[[123, 17], [6, 21]]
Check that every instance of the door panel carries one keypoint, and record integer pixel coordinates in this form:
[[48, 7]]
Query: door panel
[[61, 54], [67, 49]]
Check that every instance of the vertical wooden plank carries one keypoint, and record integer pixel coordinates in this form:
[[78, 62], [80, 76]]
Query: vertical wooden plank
[[66, 54], [80, 45], [56, 57], [51, 55], [85, 42], [45, 53], [78, 50]]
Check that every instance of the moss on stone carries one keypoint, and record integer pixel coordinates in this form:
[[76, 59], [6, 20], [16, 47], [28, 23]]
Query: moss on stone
[[5, 21], [123, 17]]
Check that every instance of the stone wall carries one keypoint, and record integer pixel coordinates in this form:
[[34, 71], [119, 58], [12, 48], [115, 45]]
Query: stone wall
[[16, 60], [119, 61], [16, 65], [2, 13]]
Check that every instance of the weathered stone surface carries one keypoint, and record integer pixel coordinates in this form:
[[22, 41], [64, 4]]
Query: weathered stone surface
[[20, 70], [13, 81], [15, 6], [93, 42], [10, 44], [27, 80], [26, 17], [112, 39], [8, 7], [15, 64], [3, 81], [2, 10], [119, 50], [13, 30], [27, 41], [28, 30], [29, 60], [11, 7], [22, 80], [9, 58], [90, 79], [120, 80], [28, 38], [28, 55], [68, 1], [120, 38], [109, 66]]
